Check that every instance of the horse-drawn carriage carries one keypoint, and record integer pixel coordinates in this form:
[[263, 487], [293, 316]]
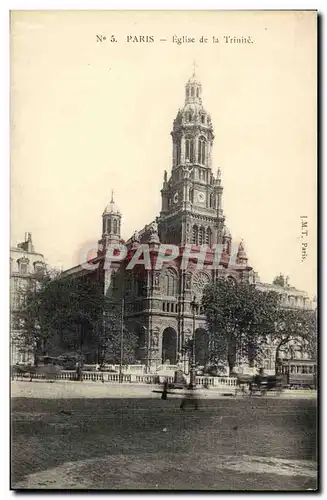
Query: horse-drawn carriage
[[260, 383]]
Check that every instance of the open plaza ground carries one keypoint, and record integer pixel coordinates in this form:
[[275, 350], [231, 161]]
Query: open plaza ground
[[110, 436]]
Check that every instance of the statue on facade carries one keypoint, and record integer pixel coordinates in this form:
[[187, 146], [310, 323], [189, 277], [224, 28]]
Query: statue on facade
[[136, 236], [154, 228], [188, 281], [186, 171], [155, 340]]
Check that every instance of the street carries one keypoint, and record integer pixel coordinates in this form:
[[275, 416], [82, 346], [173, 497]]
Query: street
[[61, 439]]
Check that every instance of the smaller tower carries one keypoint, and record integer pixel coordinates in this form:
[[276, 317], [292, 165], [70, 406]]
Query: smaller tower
[[227, 240], [241, 257], [111, 223]]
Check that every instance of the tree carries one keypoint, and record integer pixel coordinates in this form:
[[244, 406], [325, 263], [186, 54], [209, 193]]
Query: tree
[[35, 324], [239, 318], [72, 313], [110, 339], [294, 326]]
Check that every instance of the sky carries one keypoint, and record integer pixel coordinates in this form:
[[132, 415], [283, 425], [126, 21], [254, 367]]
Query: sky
[[89, 116]]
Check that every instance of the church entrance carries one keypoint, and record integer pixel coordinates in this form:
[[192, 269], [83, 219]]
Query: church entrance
[[169, 346], [201, 346]]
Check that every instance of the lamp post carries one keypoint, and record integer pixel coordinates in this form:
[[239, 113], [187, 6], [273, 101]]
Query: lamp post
[[121, 343], [194, 306], [113, 308]]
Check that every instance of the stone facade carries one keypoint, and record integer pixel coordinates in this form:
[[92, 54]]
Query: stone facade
[[25, 263], [292, 298], [158, 302]]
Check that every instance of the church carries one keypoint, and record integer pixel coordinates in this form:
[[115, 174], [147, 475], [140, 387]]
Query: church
[[162, 306]]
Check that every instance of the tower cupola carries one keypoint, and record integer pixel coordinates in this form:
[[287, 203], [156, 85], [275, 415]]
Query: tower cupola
[[111, 221]]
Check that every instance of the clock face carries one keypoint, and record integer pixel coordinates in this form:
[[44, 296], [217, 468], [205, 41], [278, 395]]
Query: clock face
[[175, 198], [201, 197]]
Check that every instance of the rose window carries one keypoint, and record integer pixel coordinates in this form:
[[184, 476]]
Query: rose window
[[200, 280]]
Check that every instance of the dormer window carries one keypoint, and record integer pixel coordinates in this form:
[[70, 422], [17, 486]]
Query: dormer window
[[23, 265], [38, 267]]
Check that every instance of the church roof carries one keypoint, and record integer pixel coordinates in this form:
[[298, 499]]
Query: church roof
[[112, 208], [193, 79]]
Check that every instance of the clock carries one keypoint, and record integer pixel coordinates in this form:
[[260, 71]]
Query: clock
[[201, 197], [175, 197]]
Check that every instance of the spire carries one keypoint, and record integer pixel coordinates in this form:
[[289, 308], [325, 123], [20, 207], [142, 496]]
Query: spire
[[193, 89], [112, 208], [194, 66]]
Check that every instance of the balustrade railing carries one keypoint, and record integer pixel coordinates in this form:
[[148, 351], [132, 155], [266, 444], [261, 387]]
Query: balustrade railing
[[215, 382]]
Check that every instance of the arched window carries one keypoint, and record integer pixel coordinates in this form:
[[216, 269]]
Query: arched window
[[192, 92], [171, 285], [202, 151], [197, 92], [165, 287], [195, 235], [208, 236], [189, 150], [115, 229], [202, 118], [23, 267], [178, 152], [187, 92], [190, 117], [201, 237], [191, 195], [108, 226]]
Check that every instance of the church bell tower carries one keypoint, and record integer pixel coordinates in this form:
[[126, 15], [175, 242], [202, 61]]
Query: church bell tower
[[191, 198]]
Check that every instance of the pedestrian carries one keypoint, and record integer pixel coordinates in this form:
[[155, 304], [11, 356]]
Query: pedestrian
[[79, 372], [165, 390], [190, 398]]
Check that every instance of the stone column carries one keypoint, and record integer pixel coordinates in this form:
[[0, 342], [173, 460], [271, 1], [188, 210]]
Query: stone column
[[196, 149], [209, 154], [183, 150], [174, 154]]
